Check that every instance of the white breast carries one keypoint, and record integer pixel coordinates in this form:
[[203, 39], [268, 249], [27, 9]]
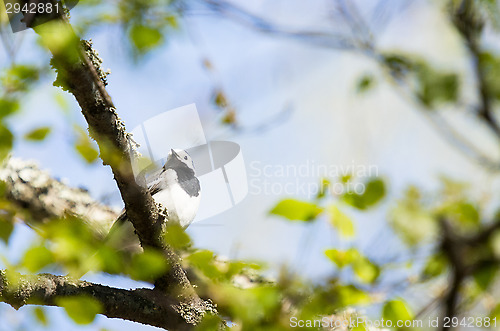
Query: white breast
[[181, 207]]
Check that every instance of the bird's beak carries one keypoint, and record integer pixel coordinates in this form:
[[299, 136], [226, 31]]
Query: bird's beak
[[174, 153]]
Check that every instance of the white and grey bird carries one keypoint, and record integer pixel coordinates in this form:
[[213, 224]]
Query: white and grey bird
[[176, 187]]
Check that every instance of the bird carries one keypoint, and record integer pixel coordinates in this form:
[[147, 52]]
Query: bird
[[176, 187]]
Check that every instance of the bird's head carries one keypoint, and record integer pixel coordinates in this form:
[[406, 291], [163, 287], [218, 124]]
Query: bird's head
[[178, 158]]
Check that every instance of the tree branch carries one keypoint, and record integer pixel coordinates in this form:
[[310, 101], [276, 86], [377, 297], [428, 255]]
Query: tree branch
[[454, 249], [144, 306], [317, 38], [469, 24], [78, 72], [461, 251], [46, 198]]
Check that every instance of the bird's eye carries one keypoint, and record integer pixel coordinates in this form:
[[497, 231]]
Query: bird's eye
[[185, 158]]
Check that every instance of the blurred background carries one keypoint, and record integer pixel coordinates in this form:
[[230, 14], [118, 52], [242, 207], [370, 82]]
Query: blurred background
[[301, 87]]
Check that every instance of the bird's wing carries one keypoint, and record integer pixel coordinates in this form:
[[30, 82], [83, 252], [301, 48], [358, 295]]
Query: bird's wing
[[154, 181], [155, 188]]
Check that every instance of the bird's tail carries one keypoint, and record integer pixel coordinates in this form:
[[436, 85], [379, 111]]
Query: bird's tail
[[121, 236]]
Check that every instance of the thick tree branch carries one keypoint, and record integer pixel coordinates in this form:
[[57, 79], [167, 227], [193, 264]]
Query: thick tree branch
[[78, 72], [485, 234], [140, 305], [454, 249], [47, 198]]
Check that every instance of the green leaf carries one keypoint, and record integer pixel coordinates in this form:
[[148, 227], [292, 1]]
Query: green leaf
[[360, 327], [374, 192], [495, 312], [396, 310], [8, 107], [62, 102], [494, 242], [398, 64], [203, 260], [490, 65], [6, 141], [251, 306], [176, 237], [144, 163], [73, 244], [81, 309], [85, 148], [38, 134], [145, 38], [365, 83], [172, 21], [209, 322], [19, 77], [110, 260], [324, 187], [24, 72], [6, 228], [435, 86], [366, 270], [350, 295], [345, 179], [468, 212], [36, 258], [62, 42], [296, 210], [40, 316], [341, 222], [463, 212], [232, 268], [411, 220], [148, 266], [220, 99], [435, 265], [342, 258], [484, 276]]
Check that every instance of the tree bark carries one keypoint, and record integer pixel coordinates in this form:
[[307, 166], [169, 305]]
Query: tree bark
[[142, 305], [46, 198], [78, 72]]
